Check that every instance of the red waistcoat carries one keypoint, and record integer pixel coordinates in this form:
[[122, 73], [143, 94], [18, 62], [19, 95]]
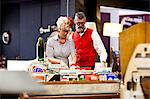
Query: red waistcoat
[[85, 51]]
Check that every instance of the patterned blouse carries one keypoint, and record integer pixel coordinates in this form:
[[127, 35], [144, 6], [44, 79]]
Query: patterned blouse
[[54, 49]]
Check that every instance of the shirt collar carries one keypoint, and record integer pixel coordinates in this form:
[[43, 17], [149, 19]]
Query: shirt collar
[[85, 29], [56, 37]]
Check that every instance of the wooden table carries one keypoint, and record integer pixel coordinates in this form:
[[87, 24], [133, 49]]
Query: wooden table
[[77, 90]]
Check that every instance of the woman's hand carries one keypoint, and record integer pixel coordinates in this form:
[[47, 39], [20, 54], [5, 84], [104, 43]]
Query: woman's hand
[[74, 66], [53, 61], [63, 65]]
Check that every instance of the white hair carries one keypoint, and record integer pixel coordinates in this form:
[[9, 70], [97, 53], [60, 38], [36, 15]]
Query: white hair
[[63, 23]]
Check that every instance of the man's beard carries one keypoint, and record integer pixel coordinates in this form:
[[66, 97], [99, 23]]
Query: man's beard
[[80, 29]]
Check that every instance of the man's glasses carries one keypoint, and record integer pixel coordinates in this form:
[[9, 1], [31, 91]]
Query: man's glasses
[[80, 23]]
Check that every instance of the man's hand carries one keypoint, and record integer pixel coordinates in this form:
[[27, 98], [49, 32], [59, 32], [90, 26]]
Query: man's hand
[[100, 65], [104, 64]]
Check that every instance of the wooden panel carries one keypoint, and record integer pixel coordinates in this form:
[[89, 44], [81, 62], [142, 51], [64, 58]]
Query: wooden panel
[[148, 32], [129, 39]]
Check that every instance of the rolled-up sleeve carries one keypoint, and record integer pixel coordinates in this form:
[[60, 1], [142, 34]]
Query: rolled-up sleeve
[[99, 46], [49, 49]]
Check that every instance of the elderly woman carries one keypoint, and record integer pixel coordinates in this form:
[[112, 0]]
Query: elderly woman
[[58, 47]]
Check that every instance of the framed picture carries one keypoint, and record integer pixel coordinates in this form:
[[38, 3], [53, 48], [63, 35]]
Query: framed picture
[[130, 20]]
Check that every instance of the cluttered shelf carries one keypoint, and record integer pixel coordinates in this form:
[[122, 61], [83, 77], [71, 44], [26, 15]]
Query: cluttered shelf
[[73, 83]]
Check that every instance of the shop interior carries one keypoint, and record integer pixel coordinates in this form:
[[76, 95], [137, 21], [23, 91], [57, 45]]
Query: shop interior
[[124, 27]]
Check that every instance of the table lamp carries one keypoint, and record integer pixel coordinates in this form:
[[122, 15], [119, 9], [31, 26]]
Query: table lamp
[[112, 29]]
